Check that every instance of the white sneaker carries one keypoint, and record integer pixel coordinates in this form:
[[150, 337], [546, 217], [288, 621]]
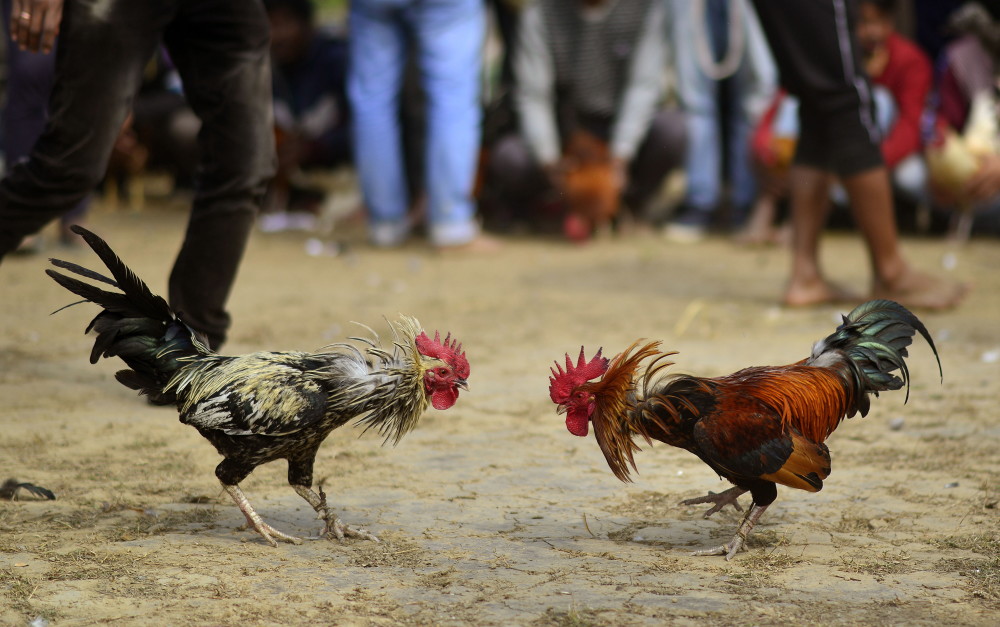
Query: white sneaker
[[685, 233], [388, 234]]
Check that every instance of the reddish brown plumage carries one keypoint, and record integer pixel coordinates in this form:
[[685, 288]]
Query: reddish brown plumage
[[591, 185], [757, 427], [808, 399], [748, 425]]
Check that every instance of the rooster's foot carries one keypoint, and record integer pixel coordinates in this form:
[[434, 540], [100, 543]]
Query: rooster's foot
[[338, 529], [719, 500], [254, 521], [334, 527], [729, 550], [269, 533], [738, 542]]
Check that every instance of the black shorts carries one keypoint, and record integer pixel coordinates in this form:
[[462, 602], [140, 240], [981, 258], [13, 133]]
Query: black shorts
[[817, 55]]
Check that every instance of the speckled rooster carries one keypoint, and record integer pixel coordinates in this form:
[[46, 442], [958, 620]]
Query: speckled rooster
[[758, 427], [264, 406]]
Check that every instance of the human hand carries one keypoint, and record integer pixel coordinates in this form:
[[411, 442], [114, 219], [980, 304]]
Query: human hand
[[985, 183], [34, 24], [556, 172], [619, 172], [292, 149]]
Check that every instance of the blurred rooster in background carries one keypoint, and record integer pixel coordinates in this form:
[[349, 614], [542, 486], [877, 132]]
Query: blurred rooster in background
[[264, 406], [591, 186], [758, 427]]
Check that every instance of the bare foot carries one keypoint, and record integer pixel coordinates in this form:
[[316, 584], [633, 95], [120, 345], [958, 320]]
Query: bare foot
[[755, 235], [480, 244], [782, 235], [818, 292], [917, 290], [30, 245]]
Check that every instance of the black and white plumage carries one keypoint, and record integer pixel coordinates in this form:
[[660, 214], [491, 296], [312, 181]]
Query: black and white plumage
[[264, 406]]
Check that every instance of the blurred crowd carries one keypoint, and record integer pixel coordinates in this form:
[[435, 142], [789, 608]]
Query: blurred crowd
[[569, 117]]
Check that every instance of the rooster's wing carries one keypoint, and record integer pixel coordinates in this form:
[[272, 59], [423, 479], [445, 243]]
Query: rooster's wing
[[256, 394], [744, 439]]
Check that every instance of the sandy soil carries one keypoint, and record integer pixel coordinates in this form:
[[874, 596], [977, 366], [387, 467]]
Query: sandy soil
[[492, 513]]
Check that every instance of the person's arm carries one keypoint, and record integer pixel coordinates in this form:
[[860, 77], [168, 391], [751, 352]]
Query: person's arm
[[34, 24], [534, 74], [910, 94], [985, 183], [644, 88]]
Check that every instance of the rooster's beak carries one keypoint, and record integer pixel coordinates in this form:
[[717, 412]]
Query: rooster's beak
[[562, 409], [462, 384]]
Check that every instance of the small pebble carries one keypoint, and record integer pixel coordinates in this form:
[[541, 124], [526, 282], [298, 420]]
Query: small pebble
[[953, 484], [949, 261], [896, 423], [991, 357], [318, 248]]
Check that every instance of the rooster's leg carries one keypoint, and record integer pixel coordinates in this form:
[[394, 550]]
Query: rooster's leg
[[333, 524], [720, 500], [254, 520], [734, 545]]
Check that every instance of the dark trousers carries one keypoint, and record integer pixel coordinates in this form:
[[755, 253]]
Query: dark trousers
[[517, 182], [220, 49], [817, 55]]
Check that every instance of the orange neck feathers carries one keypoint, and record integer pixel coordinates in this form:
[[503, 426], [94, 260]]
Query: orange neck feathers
[[615, 399]]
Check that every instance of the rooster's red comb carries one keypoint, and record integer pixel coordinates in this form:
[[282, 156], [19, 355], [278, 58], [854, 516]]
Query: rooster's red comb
[[563, 382], [449, 351]]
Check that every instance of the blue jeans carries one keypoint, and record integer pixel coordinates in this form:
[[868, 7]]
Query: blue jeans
[[701, 97], [448, 39]]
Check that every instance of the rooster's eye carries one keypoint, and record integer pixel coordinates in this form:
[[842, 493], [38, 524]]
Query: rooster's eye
[[442, 372]]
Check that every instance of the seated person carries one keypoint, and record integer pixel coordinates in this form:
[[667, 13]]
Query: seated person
[[904, 71], [964, 157], [311, 116], [588, 80]]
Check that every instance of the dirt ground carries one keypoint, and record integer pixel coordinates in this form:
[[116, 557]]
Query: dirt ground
[[492, 513]]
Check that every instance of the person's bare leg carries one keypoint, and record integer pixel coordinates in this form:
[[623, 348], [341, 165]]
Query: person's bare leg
[[759, 228], [893, 278], [810, 205]]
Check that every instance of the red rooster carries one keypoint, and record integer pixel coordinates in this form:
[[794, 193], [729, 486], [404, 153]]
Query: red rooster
[[265, 406], [758, 427]]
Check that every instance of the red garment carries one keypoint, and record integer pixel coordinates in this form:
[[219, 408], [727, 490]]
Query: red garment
[[908, 76], [762, 141]]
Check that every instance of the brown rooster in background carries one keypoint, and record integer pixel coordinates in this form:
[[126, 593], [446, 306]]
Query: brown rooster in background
[[591, 185], [264, 406], [757, 427]]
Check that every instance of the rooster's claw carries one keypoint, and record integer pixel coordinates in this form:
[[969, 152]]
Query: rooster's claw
[[719, 500], [337, 529]]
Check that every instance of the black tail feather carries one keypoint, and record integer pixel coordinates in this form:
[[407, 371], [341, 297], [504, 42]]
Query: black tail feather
[[875, 337], [78, 269], [112, 301], [150, 304], [135, 324]]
